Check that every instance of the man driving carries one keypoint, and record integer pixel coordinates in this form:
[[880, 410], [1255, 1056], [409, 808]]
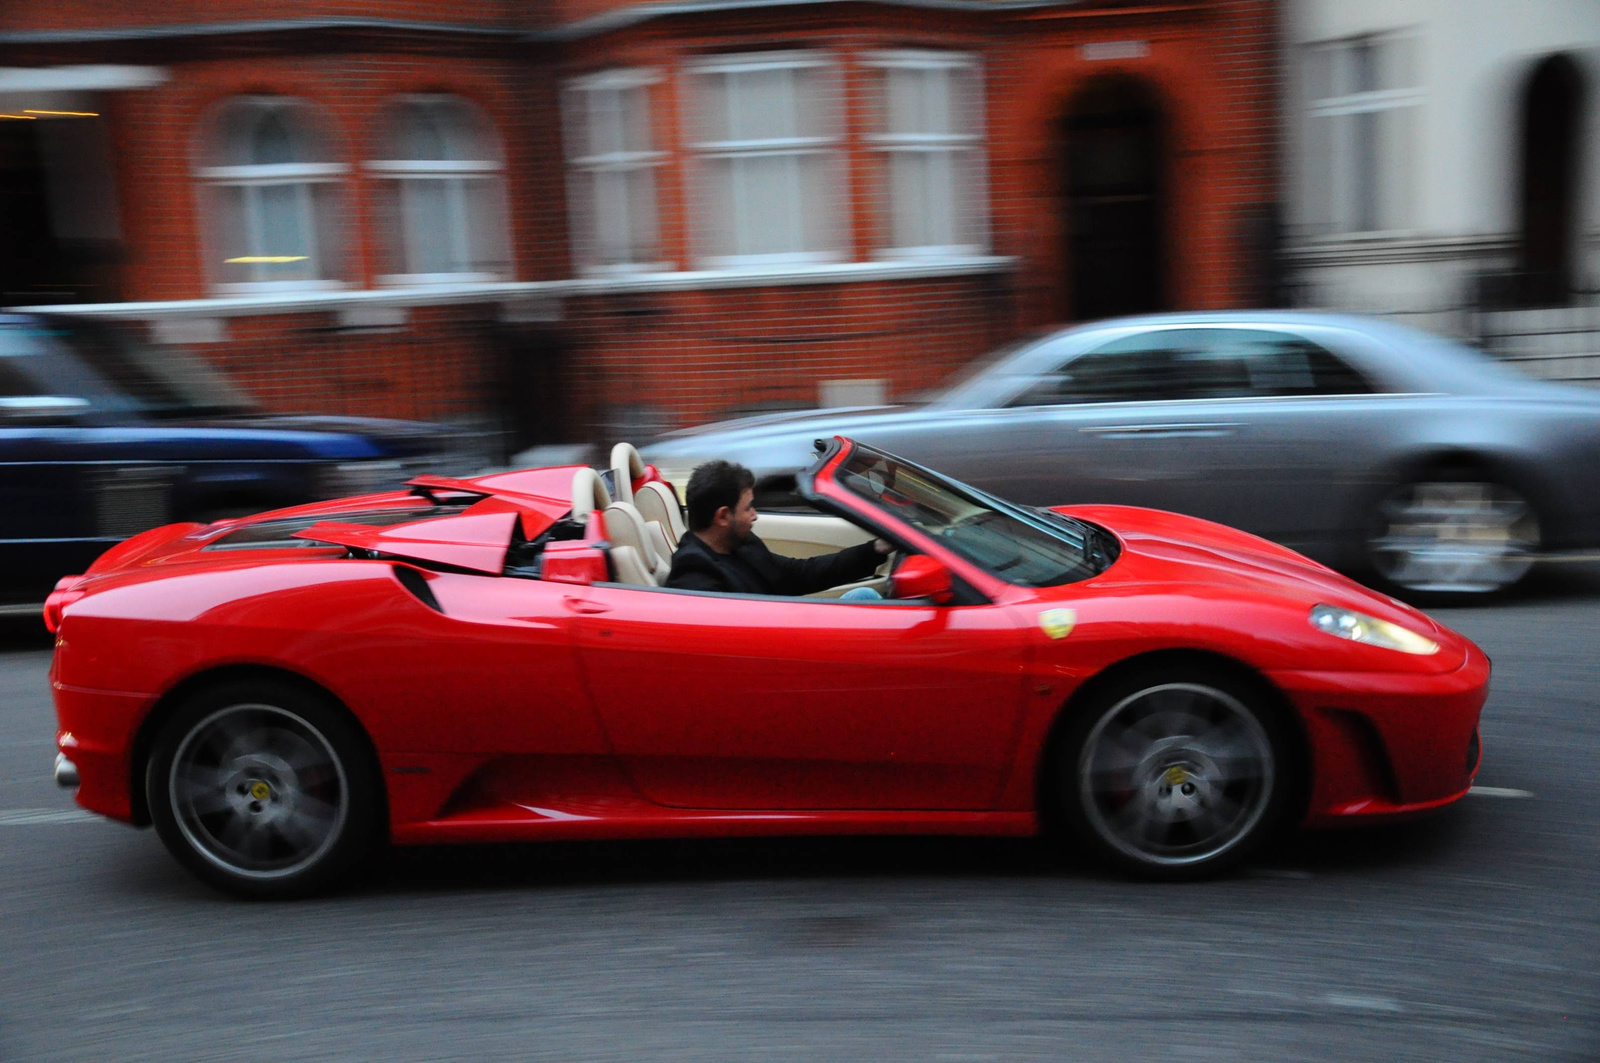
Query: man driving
[[721, 553]]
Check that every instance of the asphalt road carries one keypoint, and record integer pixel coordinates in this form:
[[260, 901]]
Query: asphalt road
[[1471, 936]]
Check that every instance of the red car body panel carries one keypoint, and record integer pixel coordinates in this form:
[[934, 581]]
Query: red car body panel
[[504, 708]]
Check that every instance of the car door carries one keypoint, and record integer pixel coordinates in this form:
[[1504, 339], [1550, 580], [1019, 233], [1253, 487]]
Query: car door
[[745, 702], [1132, 421]]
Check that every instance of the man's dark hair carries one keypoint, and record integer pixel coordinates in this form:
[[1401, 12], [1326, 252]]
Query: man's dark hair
[[712, 486]]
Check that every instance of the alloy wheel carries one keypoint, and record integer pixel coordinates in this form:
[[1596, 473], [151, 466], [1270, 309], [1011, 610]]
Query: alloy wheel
[[258, 791], [1175, 775], [1454, 537]]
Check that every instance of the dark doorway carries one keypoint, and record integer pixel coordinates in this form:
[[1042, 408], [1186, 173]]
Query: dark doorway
[[27, 247], [1552, 113], [59, 234], [1115, 138]]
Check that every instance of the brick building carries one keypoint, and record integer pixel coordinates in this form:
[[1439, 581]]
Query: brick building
[[595, 216]]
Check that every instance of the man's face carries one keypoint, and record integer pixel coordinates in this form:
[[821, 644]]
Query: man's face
[[743, 517]]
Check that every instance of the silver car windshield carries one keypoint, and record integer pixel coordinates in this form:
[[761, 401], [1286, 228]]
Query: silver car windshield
[[1030, 548]]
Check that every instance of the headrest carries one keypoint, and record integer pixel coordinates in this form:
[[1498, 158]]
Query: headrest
[[628, 466], [589, 494]]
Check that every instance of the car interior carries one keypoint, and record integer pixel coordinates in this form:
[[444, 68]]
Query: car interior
[[643, 521]]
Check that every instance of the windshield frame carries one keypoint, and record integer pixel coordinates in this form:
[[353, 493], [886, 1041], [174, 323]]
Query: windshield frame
[[1100, 547]]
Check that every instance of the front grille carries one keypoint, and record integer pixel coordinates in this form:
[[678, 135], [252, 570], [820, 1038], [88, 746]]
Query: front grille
[[132, 499]]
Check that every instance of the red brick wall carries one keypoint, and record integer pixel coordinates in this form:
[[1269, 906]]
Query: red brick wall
[[438, 366], [699, 355]]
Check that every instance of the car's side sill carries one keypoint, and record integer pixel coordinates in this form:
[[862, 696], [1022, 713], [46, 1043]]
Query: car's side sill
[[526, 823]]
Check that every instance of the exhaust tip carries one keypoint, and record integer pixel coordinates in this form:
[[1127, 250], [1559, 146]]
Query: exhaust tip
[[66, 772]]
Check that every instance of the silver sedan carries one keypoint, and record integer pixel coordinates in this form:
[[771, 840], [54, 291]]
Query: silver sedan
[[1377, 449]]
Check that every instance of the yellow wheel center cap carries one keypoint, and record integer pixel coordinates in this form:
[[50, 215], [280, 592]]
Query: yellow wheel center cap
[[1175, 776], [260, 791]]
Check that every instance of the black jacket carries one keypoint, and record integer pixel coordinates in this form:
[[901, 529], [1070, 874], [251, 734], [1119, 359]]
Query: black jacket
[[754, 569]]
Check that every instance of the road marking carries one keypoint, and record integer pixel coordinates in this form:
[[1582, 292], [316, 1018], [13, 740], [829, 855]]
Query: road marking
[[28, 817], [1358, 1002], [1498, 791]]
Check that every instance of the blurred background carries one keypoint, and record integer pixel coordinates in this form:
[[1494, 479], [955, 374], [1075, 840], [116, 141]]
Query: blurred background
[[570, 222]]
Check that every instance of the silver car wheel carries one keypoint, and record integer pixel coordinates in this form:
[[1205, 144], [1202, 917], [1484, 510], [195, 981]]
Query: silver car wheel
[[258, 791], [1465, 537], [1176, 774]]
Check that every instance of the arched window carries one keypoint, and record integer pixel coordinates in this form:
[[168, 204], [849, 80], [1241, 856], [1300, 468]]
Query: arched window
[[271, 189], [443, 194]]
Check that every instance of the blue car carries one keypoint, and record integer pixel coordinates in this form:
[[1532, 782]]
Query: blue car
[[102, 436]]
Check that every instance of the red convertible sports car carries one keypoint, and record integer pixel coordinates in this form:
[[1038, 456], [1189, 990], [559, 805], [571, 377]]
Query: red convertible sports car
[[495, 659]]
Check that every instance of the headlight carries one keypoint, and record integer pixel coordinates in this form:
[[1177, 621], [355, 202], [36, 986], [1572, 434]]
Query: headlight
[[359, 478], [1359, 627]]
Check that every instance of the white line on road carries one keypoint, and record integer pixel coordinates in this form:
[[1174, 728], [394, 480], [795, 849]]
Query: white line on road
[[1498, 791], [1361, 1002], [28, 817]]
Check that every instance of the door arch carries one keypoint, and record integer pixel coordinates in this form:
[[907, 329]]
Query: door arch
[[1552, 113], [1114, 133]]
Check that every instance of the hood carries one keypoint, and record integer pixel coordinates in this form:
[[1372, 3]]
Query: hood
[[1168, 548]]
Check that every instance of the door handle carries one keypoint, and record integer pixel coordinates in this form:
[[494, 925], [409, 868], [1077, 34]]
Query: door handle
[[1204, 428], [586, 606]]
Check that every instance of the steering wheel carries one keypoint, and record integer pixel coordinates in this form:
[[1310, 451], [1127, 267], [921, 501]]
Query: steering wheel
[[895, 556]]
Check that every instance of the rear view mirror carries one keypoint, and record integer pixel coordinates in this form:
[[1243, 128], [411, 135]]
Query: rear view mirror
[[920, 576]]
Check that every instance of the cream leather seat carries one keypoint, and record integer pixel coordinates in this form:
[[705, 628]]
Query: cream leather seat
[[659, 506], [627, 531], [655, 501], [633, 559]]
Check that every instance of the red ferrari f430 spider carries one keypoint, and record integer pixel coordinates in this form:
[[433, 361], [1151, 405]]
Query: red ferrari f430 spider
[[497, 659]]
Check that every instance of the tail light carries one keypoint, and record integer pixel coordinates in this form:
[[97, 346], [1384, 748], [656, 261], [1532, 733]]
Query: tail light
[[66, 592]]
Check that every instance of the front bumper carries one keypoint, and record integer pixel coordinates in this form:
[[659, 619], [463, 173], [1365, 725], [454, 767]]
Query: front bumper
[[1387, 745]]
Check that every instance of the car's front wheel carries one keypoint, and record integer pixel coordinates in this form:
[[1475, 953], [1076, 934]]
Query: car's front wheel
[[263, 790], [1174, 773]]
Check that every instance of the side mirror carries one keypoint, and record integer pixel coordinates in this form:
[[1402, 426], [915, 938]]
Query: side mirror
[[920, 576]]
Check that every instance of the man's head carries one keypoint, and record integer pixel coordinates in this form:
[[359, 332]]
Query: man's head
[[721, 503]]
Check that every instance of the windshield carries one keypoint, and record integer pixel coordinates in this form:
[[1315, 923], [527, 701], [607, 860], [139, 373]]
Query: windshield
[[162, 381], [1031, 548]]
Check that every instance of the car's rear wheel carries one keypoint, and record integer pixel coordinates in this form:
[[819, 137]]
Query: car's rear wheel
[[263, 790], [1175, 773], [1453, 535]]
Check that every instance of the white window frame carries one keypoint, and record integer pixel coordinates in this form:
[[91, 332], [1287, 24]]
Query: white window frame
[[1338, 214], [587, 168], [793, 147], [888, 144], [455, 173], [250, 178]]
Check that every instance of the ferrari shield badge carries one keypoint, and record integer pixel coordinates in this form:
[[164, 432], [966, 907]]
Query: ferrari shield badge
[[1058, 623]]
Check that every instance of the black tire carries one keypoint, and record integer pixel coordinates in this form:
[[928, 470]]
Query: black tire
[[1452, 534], [264, 790], [1143, 782]]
